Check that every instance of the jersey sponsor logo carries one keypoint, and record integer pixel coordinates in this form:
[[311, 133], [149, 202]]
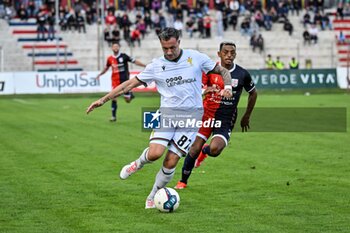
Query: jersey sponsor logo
[[120, 59], [151, 120], [2, 85], [178, 81], [234, 82]]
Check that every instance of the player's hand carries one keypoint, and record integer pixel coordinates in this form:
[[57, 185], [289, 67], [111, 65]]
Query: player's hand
[[209, 89], [245, 123], [227, 93], [96, 104]]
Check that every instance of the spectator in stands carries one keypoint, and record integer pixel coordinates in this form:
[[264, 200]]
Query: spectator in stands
[[31, 9], [51, 25], [62, 22], [80, 23], [269, 62], [190, 27], [41, 21], [178, 25], [115, 34], [107, 36], [278, 64], [288, 26], [200, 27], [295, 6], [313, 33], [341, 38], [70, 19], [135, 36], [207, 25], [110, 20], [307, 37], [326, 22], [245, 27], [318, 19], [141, 26], [340, 10], [267, 20], [234, 20], [293, 64], [156, 5], [306, 19], [89, 15], [259, 43], [22, 13]]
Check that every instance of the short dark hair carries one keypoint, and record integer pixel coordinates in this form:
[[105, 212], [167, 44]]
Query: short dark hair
[[222, 44], [115, 42], [168, 33]]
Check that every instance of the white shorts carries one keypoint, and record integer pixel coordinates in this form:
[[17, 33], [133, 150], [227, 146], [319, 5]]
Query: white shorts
[[178, 141]]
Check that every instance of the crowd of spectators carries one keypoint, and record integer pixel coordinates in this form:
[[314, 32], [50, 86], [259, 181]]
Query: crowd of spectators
[[150, 16]]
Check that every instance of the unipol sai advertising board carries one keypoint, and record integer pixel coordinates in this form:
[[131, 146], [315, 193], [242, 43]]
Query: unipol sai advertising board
[[60, 82]]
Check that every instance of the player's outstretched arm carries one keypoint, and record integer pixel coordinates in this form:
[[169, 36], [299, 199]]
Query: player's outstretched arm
[[139, 63], [227, 79], [250, 106], [119, 90], [102, 72]]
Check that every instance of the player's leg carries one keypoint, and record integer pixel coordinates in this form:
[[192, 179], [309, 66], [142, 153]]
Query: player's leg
[[164, 175], [114, 107], [158, 143], [216, 146], [114, 104], [179, 146], [190, 162]]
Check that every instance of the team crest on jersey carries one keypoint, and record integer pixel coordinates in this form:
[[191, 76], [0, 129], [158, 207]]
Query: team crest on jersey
[[163, 67], [120, 59], [189, 60], [234, 82]]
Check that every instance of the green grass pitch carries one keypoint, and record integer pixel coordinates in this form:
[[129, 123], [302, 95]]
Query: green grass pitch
[[59, 172]]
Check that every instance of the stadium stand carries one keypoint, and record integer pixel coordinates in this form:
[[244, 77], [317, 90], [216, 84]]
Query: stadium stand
[[79, 51]]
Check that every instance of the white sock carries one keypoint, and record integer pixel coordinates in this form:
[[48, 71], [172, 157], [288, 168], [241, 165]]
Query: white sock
[[142, 160], [163, 177]]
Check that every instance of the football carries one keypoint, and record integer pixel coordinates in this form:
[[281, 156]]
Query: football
[[167, 200]]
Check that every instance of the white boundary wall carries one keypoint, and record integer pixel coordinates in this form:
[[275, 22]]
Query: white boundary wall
[[58, 83]]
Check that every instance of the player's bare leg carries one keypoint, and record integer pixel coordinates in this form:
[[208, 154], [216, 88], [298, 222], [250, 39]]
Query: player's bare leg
[[163, 177], [216, 146], [150, 154]]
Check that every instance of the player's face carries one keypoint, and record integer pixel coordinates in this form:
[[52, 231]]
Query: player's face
[[227, 55], [171, 48], [115, 48]]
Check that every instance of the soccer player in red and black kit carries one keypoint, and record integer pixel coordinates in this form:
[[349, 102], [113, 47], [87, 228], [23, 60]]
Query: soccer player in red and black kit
[[120, 73], [220, 108]]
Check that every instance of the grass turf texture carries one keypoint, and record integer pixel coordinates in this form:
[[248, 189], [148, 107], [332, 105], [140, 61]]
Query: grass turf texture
[[59, 172]]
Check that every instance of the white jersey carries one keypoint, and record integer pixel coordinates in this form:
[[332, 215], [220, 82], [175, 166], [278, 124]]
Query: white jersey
[[179, 83]]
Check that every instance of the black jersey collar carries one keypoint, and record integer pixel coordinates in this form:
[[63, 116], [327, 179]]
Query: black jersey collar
[[176, 59]]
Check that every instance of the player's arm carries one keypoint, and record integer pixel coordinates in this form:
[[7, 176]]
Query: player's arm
[[227, 79], [102, 72], [139, 63], [119, 90], [253, 94]]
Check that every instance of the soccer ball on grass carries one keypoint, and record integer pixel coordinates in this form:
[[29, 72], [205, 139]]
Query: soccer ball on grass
[[167, 200]]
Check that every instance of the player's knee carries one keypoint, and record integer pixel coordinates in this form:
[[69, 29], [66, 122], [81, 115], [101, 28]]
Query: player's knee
[[154, 153], [215, 151]]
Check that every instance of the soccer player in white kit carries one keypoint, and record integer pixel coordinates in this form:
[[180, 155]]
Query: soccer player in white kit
[[178, 78]]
